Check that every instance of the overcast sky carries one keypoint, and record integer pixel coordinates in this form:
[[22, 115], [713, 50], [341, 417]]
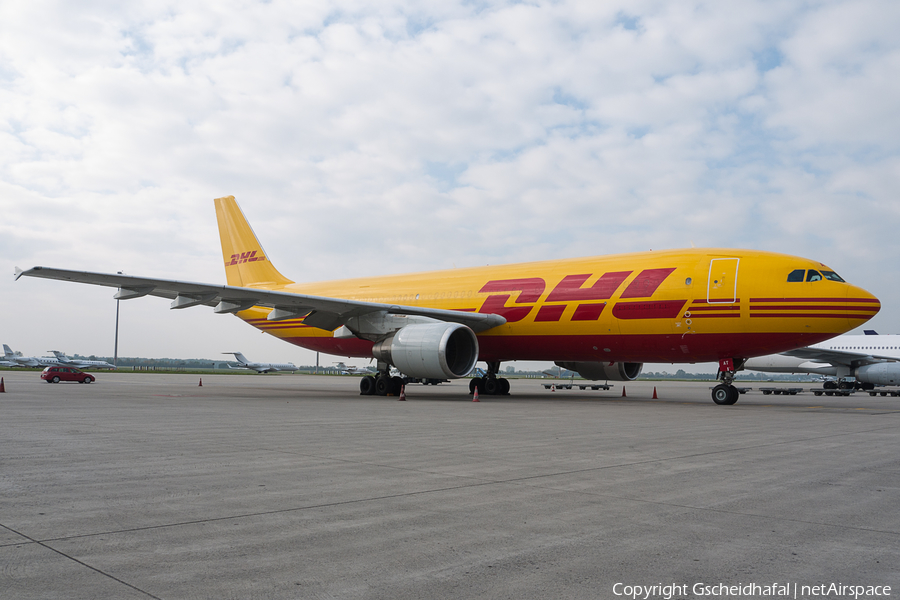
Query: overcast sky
[[367, 138]]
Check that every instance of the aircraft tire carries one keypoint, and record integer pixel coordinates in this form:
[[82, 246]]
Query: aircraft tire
[[725, 395], [491, 386], [504, 387], [475, 382], [367, 386], [382, 386], [396, 384]]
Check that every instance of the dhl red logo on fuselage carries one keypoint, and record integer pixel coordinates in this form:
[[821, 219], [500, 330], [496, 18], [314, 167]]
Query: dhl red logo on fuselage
[[571, 289], [244, 257]]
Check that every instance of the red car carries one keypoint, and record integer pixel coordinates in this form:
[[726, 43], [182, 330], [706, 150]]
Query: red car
[[57, 374]]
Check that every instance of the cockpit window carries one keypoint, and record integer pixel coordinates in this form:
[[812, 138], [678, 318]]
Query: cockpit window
[[813, 275], [795, 276], [832, 276]]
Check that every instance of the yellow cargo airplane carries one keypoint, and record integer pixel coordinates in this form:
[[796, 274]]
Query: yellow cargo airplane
[[601, 316]]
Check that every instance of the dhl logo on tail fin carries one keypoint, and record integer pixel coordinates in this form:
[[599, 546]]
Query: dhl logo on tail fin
[[245, 260]]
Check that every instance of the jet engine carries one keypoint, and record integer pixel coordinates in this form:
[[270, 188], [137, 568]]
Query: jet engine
[[879, 374], [430, 350], [608, 371]]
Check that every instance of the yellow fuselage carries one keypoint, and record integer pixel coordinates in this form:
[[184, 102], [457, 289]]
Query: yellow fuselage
[[677, 306]]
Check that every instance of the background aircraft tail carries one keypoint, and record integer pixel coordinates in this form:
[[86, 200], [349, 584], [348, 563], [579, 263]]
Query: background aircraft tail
[[246, 263], [239, 356], [7, 351]]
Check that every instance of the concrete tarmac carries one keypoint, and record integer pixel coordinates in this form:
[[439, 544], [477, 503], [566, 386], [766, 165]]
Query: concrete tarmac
[[282, 487]]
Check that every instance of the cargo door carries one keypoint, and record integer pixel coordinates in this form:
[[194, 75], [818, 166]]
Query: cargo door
[[722, 285]]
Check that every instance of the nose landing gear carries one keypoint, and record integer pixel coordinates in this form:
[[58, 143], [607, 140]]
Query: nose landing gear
[[725, 393]]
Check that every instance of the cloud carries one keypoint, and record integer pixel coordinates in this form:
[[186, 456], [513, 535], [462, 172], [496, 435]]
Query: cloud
[[395, 137]]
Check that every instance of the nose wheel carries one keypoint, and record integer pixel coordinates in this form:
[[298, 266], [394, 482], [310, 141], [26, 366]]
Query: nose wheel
[[725, 393]]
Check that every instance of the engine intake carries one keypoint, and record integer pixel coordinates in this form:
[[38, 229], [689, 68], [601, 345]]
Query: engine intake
[[432, 350], [596, 371]]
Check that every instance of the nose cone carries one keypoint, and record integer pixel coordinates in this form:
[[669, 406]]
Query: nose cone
[[862, 305]]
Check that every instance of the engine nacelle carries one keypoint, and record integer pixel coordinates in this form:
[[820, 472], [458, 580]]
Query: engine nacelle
[[879, 374], [596, 371], [431, 350]]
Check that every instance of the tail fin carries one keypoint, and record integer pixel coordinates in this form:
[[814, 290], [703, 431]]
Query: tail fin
[[8, 351], [239, 357], [246, 263]]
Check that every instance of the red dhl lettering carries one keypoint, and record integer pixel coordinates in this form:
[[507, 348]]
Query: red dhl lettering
[[529, 289], [244, 257], [570, 289]]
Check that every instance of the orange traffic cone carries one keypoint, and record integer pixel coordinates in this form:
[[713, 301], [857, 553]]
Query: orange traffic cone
[[475, 396], [2, 386], [402, 393], [623, 391], [201, 382], [655, 397]]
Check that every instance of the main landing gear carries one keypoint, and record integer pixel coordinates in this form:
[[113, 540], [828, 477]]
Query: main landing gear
[[490, 384], [725, 393], [382, 384]]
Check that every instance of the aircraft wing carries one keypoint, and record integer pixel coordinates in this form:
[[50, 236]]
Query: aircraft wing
[[316, 311], [839, 357]]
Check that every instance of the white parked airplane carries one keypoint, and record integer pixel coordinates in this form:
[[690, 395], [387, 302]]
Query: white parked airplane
[[855, 360], [260, 367], [80, 363], [9, 358], [26, 361], [352, 370]]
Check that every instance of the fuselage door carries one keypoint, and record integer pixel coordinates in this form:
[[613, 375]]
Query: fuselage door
[[722, 285]]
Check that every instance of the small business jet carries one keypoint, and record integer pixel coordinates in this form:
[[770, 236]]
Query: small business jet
[[352, 370], [26, 361], [602, 316], [258, 366], [9, 358], [861, 361], [80, 363]]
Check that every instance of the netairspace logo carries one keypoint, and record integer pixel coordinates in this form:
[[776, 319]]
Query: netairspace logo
[[673, 591]]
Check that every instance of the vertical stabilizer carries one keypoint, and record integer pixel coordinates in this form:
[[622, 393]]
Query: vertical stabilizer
[[240, 357], [246, 263]]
